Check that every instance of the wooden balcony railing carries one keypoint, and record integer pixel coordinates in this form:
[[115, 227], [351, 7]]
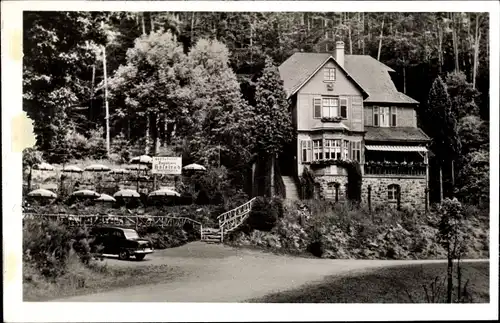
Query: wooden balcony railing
[[395, 169]]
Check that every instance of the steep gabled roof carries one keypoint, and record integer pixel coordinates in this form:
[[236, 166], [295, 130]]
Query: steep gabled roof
[[300, 67], [365, 71]]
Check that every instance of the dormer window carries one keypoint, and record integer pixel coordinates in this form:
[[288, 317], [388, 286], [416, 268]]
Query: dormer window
[[329, 73]]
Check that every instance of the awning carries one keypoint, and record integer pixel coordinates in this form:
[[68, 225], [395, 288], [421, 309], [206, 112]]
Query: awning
[[396, 148]]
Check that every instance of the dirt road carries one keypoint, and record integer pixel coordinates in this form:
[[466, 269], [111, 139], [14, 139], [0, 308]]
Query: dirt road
[[217, 273]]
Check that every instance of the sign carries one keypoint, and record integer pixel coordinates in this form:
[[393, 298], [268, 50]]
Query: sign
[[167, 165]]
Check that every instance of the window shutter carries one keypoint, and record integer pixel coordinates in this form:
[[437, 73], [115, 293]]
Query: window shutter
[[343, 108], [317, 107], [375, 116], [350, 150]]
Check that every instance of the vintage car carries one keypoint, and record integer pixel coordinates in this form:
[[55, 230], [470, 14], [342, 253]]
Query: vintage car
[[119, 241]]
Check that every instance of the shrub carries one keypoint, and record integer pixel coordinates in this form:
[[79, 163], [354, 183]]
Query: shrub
[[48, 245], [265, 213]]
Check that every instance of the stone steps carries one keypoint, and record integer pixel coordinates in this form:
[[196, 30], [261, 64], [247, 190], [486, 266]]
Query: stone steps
[[291, 190]]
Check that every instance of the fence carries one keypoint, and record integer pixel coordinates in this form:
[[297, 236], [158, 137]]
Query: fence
[[132, 221]]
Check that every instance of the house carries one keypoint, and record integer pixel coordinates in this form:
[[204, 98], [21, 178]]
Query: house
[[346, 107]]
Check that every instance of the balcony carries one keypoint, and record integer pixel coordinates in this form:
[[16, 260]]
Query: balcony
[[386, 168]]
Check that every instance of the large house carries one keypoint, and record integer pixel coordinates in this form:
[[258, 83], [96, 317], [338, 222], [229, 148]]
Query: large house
[[347, 107]]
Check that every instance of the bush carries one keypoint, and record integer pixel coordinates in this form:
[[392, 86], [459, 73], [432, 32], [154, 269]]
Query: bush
[[265, 213], [48, 246]]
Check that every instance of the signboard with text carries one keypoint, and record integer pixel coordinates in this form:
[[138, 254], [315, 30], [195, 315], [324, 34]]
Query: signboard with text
[[167, 165]]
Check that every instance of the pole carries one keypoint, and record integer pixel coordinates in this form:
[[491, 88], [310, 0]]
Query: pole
[[106, 97]]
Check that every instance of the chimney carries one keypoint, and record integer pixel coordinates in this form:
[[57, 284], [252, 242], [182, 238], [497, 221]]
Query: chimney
[[339, 53]]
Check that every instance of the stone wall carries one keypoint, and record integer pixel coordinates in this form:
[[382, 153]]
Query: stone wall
[[321, 191], [412, 190]]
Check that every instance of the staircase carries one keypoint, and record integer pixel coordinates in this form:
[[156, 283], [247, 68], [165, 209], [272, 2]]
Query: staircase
[[228, 222], [290, 188]]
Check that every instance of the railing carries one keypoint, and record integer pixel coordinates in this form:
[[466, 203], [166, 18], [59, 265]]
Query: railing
[[122, 220], [417, 170], [230, 220]]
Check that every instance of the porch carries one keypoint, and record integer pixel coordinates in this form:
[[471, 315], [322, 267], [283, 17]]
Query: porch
[[385, 160]]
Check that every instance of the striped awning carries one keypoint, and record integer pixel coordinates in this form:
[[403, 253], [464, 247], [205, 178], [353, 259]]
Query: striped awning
[[396, 148]]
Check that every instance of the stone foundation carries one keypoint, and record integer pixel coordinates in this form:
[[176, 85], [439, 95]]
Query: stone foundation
[[412, 190]]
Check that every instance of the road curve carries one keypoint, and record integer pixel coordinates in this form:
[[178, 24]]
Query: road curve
[[217, 273]]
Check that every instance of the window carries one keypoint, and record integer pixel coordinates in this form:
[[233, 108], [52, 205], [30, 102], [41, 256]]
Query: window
[[384, 117], [329, 74], [330, 107], [392, 192], [328, 148], [343, 108], [393, 117], [330, 191], [306, 150], [356, 150], [317, 108], [375, 116], [345, 150], [318, 149]]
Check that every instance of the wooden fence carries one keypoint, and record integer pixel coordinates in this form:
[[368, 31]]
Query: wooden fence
[[131, 221]]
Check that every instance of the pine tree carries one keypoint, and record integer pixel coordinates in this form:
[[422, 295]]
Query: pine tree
[[442, 124], [273, 126]]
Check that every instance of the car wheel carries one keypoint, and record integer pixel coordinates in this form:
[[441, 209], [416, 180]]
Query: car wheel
[[123, 255], [140, 256]]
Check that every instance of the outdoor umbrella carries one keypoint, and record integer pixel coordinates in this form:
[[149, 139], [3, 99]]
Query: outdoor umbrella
[[194, 167], [97, 168], [119, 171], [105, 198], [144, 159], [126, 193], [136, 167], [42, 193], [72, 169], [44, 166], [163, 192], [86, 193]]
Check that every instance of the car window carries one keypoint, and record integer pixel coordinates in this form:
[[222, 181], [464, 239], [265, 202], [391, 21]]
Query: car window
[[130, 234]]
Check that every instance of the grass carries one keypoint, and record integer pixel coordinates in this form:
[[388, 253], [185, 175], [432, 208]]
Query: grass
[[82, 280], [401, 284]]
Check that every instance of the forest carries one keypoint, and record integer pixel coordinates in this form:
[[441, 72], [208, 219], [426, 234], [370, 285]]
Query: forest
[[196, 82]]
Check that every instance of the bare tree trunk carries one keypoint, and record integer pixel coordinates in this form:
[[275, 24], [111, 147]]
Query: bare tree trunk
[[152, 21], [192, 27], [380, 41], [440, 184], [156, 136], [273, 157], [128, 128], [440, 46], [143, 24], [476, 51], [404, 75], [350, 39], [148, 121], [453, 175], [455, 41], [449, 275]]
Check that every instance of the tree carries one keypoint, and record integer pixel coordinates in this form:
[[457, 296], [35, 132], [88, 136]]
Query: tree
[[474, 178], [151, 80], [441, 126], [462, 94], [273, 124], [221, 120], [452, 237], [31, 157]]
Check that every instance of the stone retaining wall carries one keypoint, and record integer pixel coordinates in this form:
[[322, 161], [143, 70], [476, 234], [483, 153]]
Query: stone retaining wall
[[412, 190]]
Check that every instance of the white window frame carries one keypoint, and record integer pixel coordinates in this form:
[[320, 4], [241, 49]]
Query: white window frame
[[345, 149], [392, 192], [317, 149], [329, 107], [356, 150], [385, 115], [306, 150], [329, 74]]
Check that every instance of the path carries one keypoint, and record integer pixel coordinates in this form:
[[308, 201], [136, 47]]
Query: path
[[217, 273]]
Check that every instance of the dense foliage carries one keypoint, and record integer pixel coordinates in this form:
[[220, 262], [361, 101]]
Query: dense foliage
[[188, 80]]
